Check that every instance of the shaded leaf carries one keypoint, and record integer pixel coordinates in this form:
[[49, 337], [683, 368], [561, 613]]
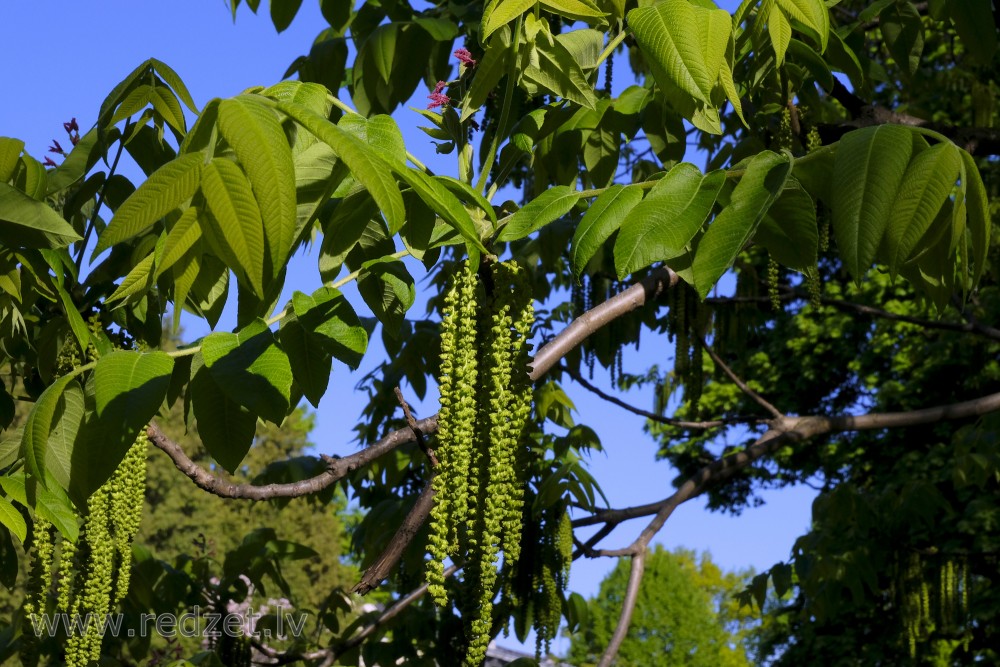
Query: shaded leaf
[[725, 238]]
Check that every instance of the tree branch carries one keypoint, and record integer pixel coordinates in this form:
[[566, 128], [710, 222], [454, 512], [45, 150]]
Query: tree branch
[[548, 356], [636, 570], [744, 387], [389, 559], [789, 294], [795, 429], [652, 416], [388, 614]]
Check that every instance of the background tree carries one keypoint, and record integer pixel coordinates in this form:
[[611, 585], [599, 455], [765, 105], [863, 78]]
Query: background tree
[[686, 614]]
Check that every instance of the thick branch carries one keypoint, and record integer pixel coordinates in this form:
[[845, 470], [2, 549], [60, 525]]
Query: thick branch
[[389, 559], [636, 570], [337, 468], [582, 327]]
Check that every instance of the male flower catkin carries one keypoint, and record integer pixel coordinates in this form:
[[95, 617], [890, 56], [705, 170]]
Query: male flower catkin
[[485, 403]]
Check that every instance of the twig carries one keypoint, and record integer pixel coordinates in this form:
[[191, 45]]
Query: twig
[[652, 416], [744, 387], [421, 442], [789, 294], [390, 613]]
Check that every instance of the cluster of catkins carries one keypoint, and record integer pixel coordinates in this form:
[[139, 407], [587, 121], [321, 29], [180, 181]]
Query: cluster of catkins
[[485, 403], [91, 575]]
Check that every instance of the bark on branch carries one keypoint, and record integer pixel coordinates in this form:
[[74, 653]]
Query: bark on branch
[[782, 431], [548, 356]]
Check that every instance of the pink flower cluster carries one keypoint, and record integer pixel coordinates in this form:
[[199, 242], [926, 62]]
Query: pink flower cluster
[[438, 98], [465, 57], [73, 130]]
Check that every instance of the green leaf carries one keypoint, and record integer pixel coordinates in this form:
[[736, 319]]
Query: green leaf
[[166, 104], [552, 68], [868, 169], [138, 280], [903, 31], [725, 238], [225, 427], [230, 200], [128, 389], [812, 14], [365, 166], [501, 12], [979, 222], [544, 209], [343, 230], [167, 188], [380, 133], [671, 34], [33, 179], [575, 10], [10, 154], [38, 426], [27, 223], [170, 77], [976, 26], [251, 369], [68, 419], [789, 231], [387, 287], [12, 519], [329, 317], [181, 238], [663, 224], [283, 11], [80, 329], [927, 183], [442, 201], [257, 138], [311, 365], [600, 221], [780, 29], [323, 326], [781, 576]]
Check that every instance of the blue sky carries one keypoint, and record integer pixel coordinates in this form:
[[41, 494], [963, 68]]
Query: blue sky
[[61, 58]]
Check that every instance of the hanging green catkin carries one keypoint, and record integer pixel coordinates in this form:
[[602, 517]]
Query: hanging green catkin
[[485, 404], [456, 423], [128, 492], [773, 278], [36, 602], [521, 394]]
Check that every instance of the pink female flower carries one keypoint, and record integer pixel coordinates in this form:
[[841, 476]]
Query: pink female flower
[[71, 126], [438, 98], [56, 148], [49, 162], [465, 57]]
